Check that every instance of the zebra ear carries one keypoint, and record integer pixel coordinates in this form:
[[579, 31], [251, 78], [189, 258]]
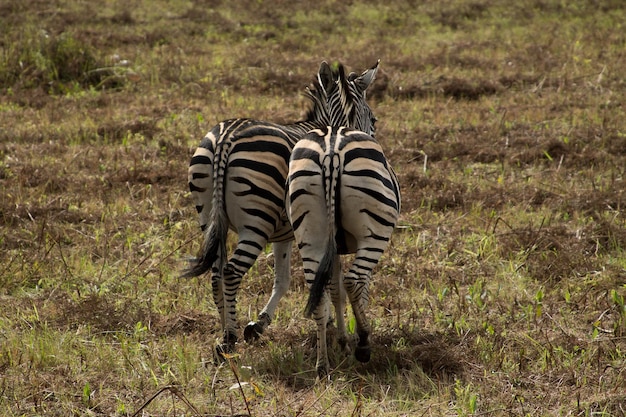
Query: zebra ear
[[325, 77], [367, 78]]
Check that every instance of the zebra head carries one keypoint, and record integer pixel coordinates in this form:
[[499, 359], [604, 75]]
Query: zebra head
[[345, 95]]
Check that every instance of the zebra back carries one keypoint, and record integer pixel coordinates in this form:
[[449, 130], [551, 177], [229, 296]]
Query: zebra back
[[212, 159]]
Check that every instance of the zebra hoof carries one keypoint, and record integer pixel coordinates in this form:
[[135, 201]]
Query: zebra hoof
[[322, 373], [224, 349], [227, 346], [343, 344], [363, 353], [252, 332]]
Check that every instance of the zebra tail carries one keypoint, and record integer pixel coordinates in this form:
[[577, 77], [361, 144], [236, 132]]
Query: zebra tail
[[214, 245], [213, 250], [331, 176], [322, 277]]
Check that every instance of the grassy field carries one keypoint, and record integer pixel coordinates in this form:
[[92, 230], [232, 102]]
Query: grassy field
[[502, 293]]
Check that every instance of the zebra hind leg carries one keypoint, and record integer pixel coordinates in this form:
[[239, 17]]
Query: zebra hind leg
[[230, 286], [229, 339], [338, 297], [320, 316], [244, 256], [282, 259], [357, 289]]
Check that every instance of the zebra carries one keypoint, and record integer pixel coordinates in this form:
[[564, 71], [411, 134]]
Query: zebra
[[237, 180], [343, 197]]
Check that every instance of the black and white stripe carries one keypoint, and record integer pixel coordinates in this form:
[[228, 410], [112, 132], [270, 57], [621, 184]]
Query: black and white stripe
[[237, 180], [342, 198]]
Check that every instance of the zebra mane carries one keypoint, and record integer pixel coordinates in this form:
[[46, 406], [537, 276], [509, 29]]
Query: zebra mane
[[318, 113]]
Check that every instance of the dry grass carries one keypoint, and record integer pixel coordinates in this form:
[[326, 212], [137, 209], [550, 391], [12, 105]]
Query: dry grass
[[502, 292]]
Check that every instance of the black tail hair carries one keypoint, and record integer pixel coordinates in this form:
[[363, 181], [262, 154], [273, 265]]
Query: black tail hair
[[212, 249], [214, 245], [322, 278]]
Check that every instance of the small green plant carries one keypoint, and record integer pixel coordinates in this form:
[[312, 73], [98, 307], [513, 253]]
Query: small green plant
[[619, 327], [538, 303], [351, 325], [86, 397], [478, 294], [465, 399]]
